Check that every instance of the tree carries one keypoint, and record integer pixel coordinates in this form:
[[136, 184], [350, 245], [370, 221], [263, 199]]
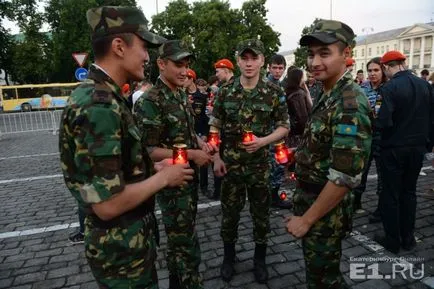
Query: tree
[[213, 29], [6, 42], [30, 56], [301, 52], [71, 33]]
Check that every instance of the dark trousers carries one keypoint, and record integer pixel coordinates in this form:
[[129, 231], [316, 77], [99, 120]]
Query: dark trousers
[[401, 168], [81, 217], [203, 178]]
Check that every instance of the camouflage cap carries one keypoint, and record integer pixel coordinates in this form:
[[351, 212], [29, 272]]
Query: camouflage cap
[[109, 20], [328, 32], [254, 45], [174, 50]]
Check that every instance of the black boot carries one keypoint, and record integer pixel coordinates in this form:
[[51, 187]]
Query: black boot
[[357, 203], [260, 270], [174, 282], [227, 268]]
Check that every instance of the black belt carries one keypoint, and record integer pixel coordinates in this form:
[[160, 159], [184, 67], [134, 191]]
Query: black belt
[[310, 187]]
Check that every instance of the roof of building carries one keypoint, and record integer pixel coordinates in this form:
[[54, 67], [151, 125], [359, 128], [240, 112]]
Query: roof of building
[[384, 35]]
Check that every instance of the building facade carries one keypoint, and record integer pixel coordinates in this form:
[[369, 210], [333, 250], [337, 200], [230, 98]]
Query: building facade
[[415, 41]]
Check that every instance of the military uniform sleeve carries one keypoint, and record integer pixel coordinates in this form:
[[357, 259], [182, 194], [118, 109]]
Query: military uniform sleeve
[[98, 150], [387, 108], [351, 144], [280, 110], [149, 121], [218, 112]]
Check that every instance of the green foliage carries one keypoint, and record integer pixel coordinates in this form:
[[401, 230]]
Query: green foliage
[[301, 52], [213, 29], [5, 39]]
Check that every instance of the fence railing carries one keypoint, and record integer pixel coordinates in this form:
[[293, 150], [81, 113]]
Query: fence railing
[[30, 121]]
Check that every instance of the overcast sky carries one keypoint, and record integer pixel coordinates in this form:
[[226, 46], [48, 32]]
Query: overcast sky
[[289, 17]]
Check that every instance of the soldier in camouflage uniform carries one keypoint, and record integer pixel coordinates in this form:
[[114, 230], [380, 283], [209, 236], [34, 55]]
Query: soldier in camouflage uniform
[[164, 117], [331, 157], [252, 103], [102, 160]]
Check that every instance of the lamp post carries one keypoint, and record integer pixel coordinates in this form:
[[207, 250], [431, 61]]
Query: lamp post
[[366, 30]]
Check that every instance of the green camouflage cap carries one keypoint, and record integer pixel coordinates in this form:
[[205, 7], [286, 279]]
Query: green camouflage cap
[[254, 45], [174, 50], [109, 20], [328, 32]]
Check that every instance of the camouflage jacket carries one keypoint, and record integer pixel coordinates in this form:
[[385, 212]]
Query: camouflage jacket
[[337, 138], [165, 118], [99, 143], [236, 110]]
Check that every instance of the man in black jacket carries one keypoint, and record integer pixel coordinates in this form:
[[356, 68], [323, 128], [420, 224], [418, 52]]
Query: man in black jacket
[[406, 121]]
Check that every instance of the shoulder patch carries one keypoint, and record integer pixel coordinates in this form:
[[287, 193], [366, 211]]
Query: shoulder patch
[[102, 94], [349, 98], [345, 129]]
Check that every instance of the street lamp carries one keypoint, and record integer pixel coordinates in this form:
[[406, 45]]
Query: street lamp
[[366, 30]]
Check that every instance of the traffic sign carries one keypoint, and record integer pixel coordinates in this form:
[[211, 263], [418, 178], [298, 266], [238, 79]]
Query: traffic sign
[[80, 58], [81, 74]]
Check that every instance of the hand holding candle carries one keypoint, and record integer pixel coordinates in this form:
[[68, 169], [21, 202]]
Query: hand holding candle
[[180, 154], [281, 153]]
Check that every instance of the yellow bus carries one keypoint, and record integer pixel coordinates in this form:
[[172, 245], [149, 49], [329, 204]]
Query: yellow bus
[[29, 97]]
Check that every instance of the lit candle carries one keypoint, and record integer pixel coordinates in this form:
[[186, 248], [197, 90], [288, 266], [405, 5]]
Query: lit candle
[[213, 137], [283, 195], [247, 136], [292, 176], [180, 154], [281, 153]]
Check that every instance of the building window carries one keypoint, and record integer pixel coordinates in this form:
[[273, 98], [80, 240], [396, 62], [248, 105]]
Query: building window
[[416, 62], [428, 43], [378, 50], [417, 45], [363, 52], [427, 61], [382, 49], [407, 46], [369, 51], [387, 48], [395, 46]]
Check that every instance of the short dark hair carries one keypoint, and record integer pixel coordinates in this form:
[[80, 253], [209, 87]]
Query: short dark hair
[[102, 45], [424, 72], [360, 71], [278, 59], [212, 79]]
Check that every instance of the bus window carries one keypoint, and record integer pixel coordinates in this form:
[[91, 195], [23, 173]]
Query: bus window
[[9, 93]]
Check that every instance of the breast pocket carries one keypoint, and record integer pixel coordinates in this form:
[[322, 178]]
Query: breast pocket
[[319, 140], [261, 119]]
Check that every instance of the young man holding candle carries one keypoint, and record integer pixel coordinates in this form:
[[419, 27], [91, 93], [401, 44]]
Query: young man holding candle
[[249, 103], [330, 160], [103, 163], [164, 119]]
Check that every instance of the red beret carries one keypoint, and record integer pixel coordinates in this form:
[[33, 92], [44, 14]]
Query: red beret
[[224, 63], [191, 73], [349, 62], [391, 56]]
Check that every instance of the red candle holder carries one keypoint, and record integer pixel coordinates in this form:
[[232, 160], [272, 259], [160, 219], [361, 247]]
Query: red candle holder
[[247, 136], [180, 154], [281, 153], [213, 137], [283, 196], [292, 176]]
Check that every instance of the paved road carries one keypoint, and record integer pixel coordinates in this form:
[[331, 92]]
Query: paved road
[[37, 213]]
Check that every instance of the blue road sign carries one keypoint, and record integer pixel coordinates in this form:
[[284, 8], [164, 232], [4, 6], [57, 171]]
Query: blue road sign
[[81, 74]]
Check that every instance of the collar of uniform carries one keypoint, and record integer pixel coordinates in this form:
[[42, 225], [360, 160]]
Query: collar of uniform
[[239, 88], [166, 89], [99, 75]]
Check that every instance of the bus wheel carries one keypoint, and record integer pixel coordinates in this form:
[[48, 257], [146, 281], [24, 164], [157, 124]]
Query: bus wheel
[[26, 107]]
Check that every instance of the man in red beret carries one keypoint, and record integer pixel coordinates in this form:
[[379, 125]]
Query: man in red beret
[[224, 70], [406, 121]]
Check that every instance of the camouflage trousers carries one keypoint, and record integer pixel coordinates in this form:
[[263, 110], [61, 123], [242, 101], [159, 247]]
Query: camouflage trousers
[[122, 257], [252, 179], [179, 208], [322, 248], [277, 173]]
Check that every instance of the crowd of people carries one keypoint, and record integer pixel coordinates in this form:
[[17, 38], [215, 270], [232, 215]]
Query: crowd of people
[[117, 143]]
